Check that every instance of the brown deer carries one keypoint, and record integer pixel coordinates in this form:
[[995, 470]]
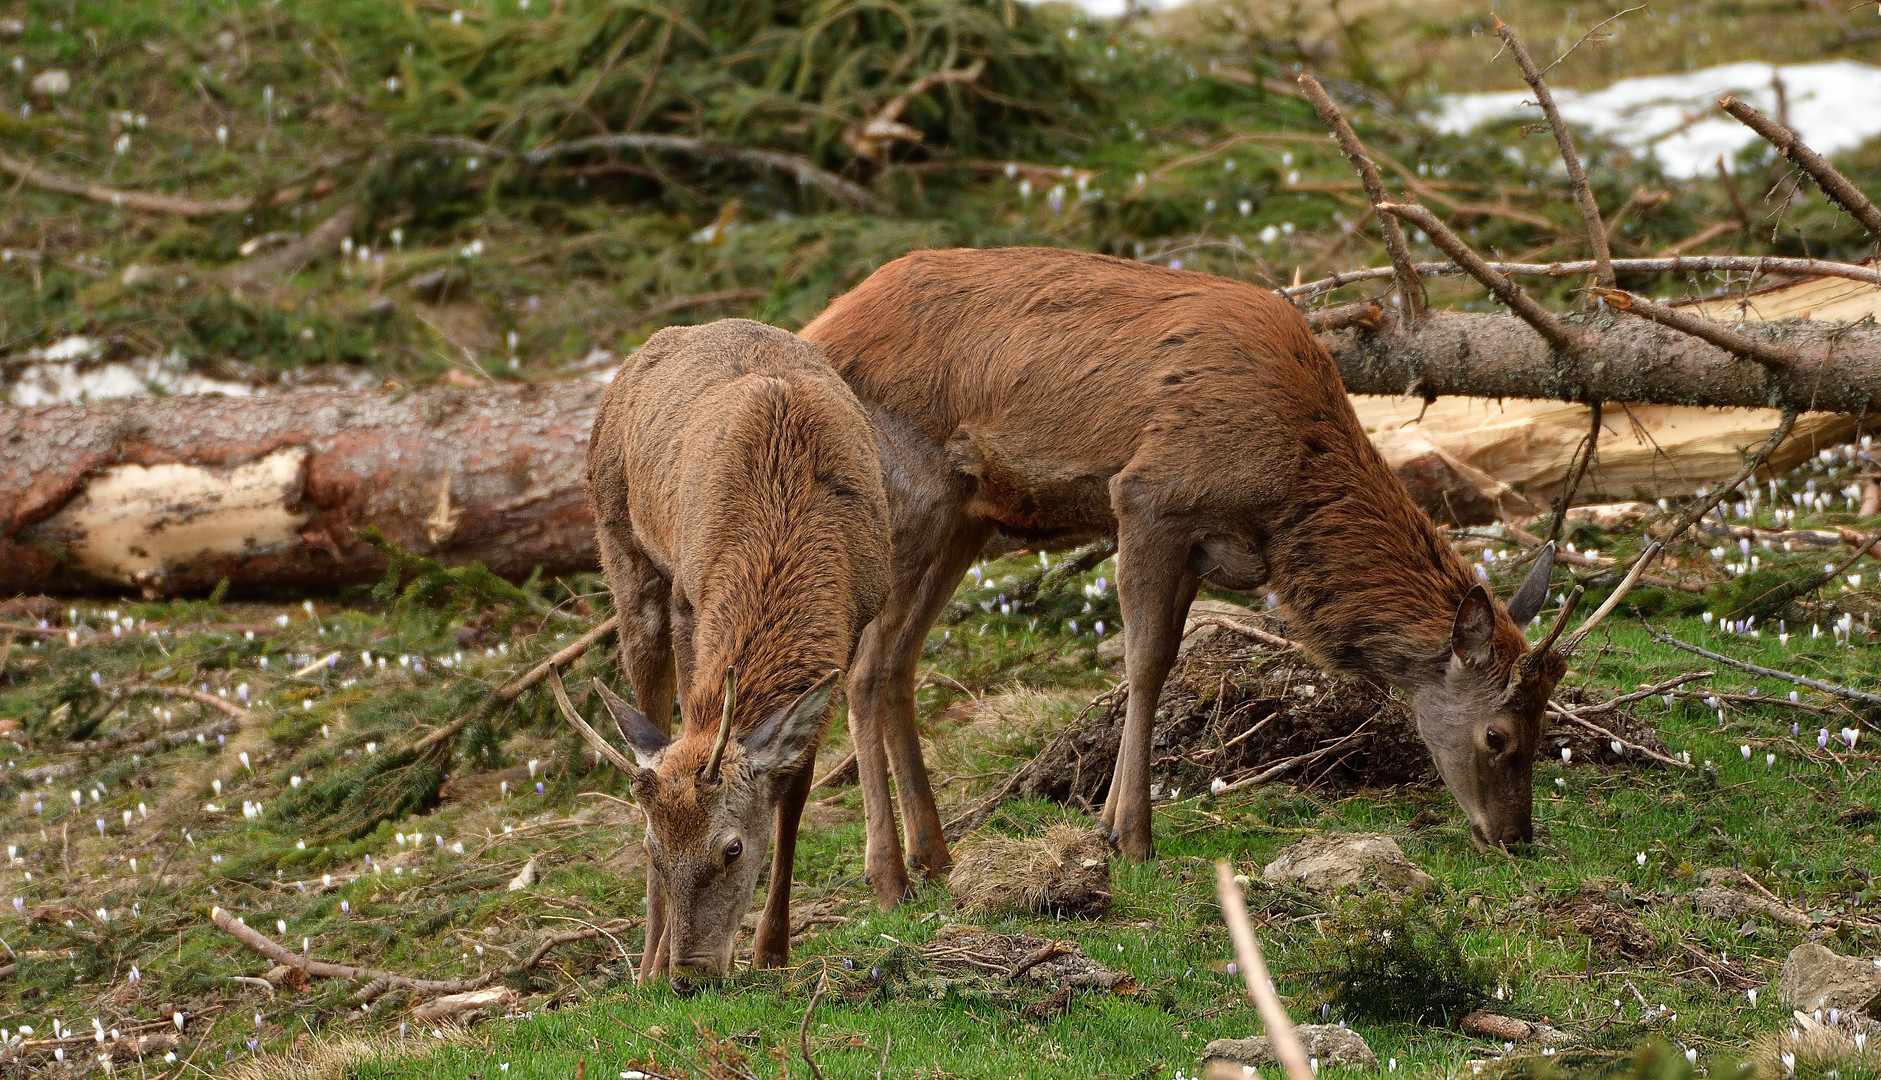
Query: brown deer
[[739, 504], [1053, 396]]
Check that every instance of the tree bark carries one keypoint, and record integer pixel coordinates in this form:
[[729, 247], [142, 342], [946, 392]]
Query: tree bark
[[1617, 359], [172, 495]]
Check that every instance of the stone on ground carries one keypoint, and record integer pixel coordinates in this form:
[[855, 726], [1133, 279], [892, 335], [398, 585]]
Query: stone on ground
[[1338, 861], [1335, 1047], [1815, 977]]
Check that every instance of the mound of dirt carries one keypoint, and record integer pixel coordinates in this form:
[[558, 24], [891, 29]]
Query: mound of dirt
[[1235, 707], [1064, 872], [1598, 913], [1024, 958]]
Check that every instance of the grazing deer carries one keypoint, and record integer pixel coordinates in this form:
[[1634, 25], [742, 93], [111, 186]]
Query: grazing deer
[[739, 504], [1053, 396]]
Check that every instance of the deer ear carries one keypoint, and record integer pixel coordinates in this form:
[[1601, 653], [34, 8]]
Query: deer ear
[[786, 734], [1473, 631], [646, 740], [1527, 601]]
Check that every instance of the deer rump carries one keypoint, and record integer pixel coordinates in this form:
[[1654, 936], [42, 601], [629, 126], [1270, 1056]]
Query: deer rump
[[1052, 395], [742, 524]]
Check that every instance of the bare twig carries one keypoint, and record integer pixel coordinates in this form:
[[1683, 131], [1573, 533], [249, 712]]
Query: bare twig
[[1260, 987], [1265, 637], [1767, 353], [291, 256], [803, 1029], [1577, 467], [1827, 177], [1286, 765], [1843, 692], [1692, 514], [514, 690], [1410, 287], [1552, 329], [1641, 694], [1568, 713], [1583, 191], [1040, 955], [871, 136], [802, 168], [47, 180], [1682, 264], [1588, 36], [192, 694], [378, 980]]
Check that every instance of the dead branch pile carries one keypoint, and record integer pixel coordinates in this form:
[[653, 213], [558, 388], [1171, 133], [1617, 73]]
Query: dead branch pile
[[1243, 711]]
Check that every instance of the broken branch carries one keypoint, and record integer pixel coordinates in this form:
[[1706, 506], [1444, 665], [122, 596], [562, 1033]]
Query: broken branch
[[1767, 353], [1843, 692], [380, 981], [46, 180], [1545, 322], [1410, 286], [1260, 986], [1583, 191], [1834, 185]]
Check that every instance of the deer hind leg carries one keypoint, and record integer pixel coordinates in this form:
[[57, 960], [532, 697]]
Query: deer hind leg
[[927, 846], [1156, 586], [771, 947]]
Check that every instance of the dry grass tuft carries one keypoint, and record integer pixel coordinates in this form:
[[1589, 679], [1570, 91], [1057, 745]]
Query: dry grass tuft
[[1066, 871]]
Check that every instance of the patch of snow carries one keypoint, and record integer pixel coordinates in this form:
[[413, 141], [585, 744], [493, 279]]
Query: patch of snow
[[59, 379], [1834, 106]]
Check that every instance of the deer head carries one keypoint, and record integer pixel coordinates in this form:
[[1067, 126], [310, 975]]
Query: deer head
[[711, 810], [1483, 720]]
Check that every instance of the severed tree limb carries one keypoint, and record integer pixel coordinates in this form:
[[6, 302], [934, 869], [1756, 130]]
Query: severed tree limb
[[190, 693], [48, 180], [1768, 353], [1672, 264], [1846, 693], [1545, 322], [1827, 177], [1410, 286], [380, 981], [1583, 191]]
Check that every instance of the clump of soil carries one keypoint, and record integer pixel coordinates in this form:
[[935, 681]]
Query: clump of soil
[[1616, 933], [1234, 707], [1064, 872], [1036, 960]]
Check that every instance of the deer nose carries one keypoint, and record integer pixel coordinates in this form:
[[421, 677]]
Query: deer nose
[[698, 967]]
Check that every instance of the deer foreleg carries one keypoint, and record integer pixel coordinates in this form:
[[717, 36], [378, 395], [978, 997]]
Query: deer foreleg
[[1156, 588], [771, 947]]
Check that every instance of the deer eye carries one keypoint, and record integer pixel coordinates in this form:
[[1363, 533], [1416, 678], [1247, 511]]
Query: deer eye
[[732, 851], [1496, 740]]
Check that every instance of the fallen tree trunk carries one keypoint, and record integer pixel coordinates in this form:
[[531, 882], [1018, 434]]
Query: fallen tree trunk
[[171, 495], [1478, 354]]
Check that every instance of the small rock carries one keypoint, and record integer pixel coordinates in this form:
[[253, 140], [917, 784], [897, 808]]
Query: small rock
[[1333, 1045], [1815, 977], [1731, 905], [11, 28], [52, 82], [524, 877], [1337, 861], [464, 1006]]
